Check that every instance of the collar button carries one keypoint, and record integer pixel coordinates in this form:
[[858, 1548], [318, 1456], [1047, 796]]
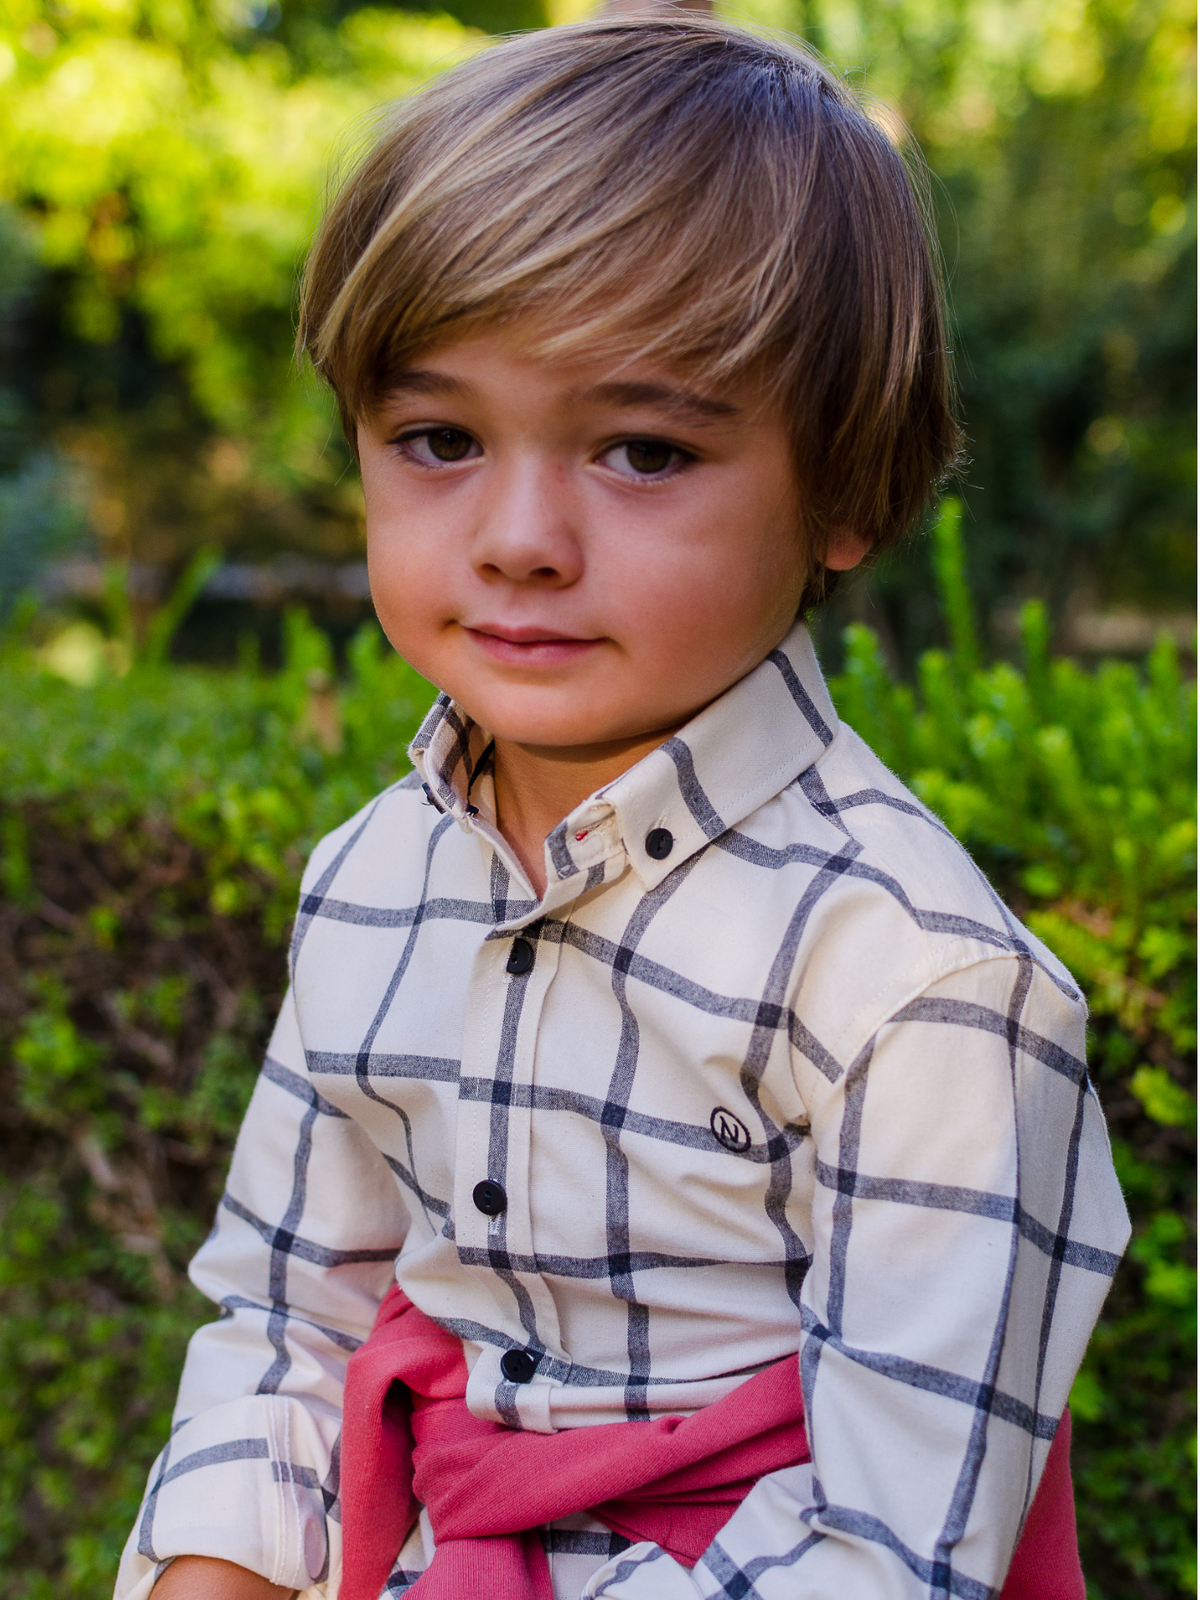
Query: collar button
[[659, 844]]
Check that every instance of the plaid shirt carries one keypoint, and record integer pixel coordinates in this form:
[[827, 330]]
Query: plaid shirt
[[769, 1069]]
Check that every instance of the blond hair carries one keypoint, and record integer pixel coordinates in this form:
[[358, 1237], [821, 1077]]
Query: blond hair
[[672, 189]]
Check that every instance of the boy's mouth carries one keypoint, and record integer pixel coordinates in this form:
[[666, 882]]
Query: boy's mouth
[[529, 646]]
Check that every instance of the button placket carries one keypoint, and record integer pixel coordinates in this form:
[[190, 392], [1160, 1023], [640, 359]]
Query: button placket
[[503, 1027]]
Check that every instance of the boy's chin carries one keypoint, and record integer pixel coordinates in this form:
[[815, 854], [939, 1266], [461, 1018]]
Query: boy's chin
[[559, 728]]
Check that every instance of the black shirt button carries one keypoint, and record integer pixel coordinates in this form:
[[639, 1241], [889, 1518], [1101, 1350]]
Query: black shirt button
[[520, 957], [518, 1366], [489, 1198], [659, 843]]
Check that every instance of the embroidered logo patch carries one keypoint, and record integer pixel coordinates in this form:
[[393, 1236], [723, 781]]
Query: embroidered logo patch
[[729, 1130]]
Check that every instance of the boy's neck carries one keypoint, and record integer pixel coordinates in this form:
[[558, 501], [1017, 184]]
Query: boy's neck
[[538, 785]]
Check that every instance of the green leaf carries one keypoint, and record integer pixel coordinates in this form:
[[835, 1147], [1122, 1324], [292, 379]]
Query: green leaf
[[1165, 1101]]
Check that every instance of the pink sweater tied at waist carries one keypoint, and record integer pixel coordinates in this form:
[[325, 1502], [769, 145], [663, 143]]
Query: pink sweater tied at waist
[[409, 1440]]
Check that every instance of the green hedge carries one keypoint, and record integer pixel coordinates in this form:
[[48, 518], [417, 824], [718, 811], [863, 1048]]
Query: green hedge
[[152, 832]]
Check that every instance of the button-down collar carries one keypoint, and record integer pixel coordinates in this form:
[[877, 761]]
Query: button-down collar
[[731, 758]]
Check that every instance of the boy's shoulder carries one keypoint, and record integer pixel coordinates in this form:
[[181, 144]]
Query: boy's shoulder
[[904, 881], [374, 827], [888, 896]]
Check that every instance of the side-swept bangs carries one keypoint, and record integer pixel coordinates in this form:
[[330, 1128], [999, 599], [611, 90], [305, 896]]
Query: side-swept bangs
[[677, 191]]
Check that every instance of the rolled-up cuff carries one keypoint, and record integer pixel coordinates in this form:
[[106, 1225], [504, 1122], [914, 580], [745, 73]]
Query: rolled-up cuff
[[249, 1482]]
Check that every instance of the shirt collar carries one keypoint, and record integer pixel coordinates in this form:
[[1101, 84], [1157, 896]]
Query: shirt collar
[[733, 757]]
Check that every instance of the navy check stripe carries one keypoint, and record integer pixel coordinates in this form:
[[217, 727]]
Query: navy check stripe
[[430, 1203], [624, 959], [769, 856], [620, 1088], [292, 1083], [802, 697], [379, 1064], [408, 1172], [560, 855], [974, 1202], [609, 1113], [401, 1581], [935, 1380], [959, 1510], [963, 1014], [362, 916], [694, 796], [596, 1267], [304, 914], [345, 1341], [738, 1583], [625, 1570], [217, 1455], [939, 1576], [291, 1244], [578, 1542], [833, 809], [812, 786], [281, 1241]]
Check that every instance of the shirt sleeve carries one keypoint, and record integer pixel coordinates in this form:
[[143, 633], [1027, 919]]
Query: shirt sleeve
[[967, 1222], [301, 1254]]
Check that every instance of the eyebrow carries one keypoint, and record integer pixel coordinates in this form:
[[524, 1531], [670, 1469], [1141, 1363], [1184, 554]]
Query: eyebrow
[[683, 403], [418, 380]]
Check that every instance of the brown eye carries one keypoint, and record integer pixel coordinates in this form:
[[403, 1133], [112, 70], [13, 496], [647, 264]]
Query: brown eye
[[649, 455], [449, 444]]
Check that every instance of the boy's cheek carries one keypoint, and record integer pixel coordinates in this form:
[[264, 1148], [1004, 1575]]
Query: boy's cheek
[[406, 604]]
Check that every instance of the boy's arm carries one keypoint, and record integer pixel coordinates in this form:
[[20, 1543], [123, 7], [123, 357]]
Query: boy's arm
[[301, 1253], [966, 1222], [203, 1578]]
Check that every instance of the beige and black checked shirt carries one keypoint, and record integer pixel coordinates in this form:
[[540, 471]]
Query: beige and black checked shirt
[[769, 1071]]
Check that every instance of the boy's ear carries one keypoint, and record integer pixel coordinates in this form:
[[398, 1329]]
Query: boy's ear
[[845, 549]]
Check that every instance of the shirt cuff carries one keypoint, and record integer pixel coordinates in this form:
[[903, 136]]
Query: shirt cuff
[[247, 1482]]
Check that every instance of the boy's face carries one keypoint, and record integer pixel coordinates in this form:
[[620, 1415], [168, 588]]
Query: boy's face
[[580, 555]]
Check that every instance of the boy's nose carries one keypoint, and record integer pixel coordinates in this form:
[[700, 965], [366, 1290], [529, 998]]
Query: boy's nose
[[529, 529]]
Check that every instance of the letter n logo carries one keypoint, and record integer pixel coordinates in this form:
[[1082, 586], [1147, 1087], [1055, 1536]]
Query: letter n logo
[[729, 1130]]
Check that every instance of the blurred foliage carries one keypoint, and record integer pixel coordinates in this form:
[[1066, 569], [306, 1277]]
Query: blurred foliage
[[165, 159], [40, 511], [169, 156], [153, 825], [1061, 137]]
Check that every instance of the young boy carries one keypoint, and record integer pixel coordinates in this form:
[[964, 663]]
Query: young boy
[[651, 1034]]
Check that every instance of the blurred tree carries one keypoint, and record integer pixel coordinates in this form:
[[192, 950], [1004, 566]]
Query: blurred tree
[[168, 156], [1061, 138], [40, 510]]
